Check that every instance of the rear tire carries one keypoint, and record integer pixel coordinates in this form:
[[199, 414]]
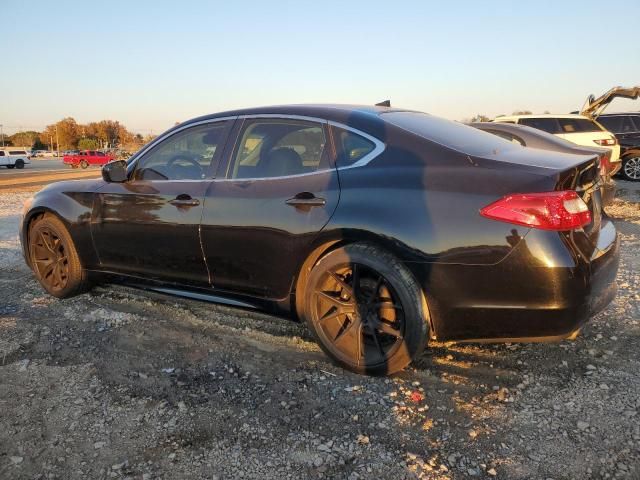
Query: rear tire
[[84, 164], [54, 258], [366, 310], [19, 164], [631, 168]]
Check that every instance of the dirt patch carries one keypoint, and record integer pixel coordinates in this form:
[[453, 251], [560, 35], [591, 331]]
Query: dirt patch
[[122, 383]]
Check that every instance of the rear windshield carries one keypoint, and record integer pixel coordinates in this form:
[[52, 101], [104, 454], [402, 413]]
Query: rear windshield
[[549, 125], [454, 135], [578, 125]]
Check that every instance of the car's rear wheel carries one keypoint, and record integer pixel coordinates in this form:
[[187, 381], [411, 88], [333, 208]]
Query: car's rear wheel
[[54, 258], [366, 310], [631, 168], [84, 164], [19, 163]]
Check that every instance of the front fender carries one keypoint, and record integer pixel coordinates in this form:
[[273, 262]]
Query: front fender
[[72, 202]]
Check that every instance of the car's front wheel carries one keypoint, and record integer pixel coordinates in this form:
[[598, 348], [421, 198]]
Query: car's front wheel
[[631, 168], [366, 310], [54, 258]]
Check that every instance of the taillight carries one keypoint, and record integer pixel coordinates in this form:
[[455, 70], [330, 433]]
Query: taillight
[[606, 142], [563, 210], [605, 164]]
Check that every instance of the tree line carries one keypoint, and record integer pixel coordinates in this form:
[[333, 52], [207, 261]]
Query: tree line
[[67, 134]]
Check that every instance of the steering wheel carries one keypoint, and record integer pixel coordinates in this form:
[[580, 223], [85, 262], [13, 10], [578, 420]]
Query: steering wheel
[[187, 158]]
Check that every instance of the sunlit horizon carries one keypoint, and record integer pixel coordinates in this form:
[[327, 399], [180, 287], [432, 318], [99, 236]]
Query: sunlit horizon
[[150, 65]]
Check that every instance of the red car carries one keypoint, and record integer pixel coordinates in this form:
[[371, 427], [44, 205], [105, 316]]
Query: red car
[[87, 157]]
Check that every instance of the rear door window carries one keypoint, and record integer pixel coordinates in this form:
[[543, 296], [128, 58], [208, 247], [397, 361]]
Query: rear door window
[[578, 125], [277, 148], [549, 125]]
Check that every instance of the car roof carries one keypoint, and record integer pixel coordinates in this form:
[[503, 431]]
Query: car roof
[[618, 114], [353, 115]]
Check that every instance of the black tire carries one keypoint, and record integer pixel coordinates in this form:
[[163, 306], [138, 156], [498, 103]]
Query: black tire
[[366, 310], [20, 164], [10, 166], [84, 164], [631, 168], [50, 243]]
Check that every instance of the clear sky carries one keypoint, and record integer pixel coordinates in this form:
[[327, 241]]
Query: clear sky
[[152, 63]]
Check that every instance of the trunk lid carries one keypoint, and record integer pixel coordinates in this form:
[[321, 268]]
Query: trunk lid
[[595, 106]]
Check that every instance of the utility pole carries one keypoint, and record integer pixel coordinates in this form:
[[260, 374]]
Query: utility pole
[[51, 143], [2, 135], [57, 142]]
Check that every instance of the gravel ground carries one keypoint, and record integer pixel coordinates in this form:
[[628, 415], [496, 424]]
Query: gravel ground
[[122, 383]]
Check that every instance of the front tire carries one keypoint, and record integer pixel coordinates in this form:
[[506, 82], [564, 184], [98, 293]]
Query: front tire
[[54, 258], [366, 310], [631, 168]]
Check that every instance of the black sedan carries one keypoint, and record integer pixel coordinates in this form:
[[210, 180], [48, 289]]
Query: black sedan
[[534, 138], [380, 228]]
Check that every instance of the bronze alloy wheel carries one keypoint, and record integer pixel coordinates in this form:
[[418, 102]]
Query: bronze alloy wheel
[[49, 257], [54, 259], [366, 309], [359, 315]]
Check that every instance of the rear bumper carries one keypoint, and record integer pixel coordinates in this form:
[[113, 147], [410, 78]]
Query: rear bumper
[[544, 291]]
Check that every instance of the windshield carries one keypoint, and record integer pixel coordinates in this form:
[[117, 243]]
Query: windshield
[[454, 135]]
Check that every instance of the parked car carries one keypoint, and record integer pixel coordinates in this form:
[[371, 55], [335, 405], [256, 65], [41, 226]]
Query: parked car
[[14, 158], [577, 129], [69, 153], [85, 158], [625, 126], [380, 228], [533, 138]]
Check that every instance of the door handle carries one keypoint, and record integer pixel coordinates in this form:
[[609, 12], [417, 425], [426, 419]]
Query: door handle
[[184, 200], [306, 199]]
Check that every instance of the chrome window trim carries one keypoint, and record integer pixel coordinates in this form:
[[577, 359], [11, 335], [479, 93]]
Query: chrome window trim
[[377, 150], [379, 146]]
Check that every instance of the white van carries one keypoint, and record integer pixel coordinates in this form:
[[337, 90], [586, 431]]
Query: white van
[[575, 128], [13, 157]]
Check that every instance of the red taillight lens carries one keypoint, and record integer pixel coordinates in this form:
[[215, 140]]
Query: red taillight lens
[[605, 164], [547, 211], [606, 142]]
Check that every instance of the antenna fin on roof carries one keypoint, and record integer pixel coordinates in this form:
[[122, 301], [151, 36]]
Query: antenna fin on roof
[[385, 103]]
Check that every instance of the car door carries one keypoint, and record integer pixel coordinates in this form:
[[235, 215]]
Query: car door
[[149, 225], [279, 190]]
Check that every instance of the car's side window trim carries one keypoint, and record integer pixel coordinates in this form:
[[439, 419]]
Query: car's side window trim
[[379, 146], [131, 166]]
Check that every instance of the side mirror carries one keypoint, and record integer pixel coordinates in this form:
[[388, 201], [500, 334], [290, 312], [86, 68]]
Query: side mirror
[[115, 172]]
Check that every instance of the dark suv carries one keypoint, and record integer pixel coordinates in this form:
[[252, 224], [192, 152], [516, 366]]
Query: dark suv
[[626, 128]]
